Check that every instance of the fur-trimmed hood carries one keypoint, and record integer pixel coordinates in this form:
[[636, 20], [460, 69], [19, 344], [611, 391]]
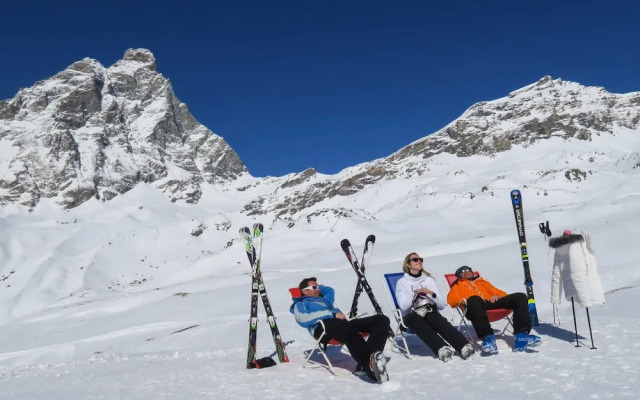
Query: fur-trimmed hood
[[556, 242]]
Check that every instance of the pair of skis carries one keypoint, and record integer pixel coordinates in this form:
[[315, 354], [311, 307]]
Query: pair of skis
[[518, 212], [363, 284], [253, 247]]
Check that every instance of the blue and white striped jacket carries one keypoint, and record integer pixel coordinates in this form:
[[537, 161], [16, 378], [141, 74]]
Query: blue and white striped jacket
[[308, 310]]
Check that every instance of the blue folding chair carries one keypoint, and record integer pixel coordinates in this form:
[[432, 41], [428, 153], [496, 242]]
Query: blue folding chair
[[391, 280]]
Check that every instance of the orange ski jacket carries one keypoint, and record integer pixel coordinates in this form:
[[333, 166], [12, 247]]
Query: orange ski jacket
[[465, 288]]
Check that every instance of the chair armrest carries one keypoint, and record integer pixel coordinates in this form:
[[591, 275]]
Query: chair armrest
[[398, 314], [462, 305], [357, 316]]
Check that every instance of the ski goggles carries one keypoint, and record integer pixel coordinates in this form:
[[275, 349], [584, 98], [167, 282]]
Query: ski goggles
[[460, 270], [312, 287]]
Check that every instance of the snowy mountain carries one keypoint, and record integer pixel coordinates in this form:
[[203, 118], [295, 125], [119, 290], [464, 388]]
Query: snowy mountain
[[145, 297], [569, 115], [96, 132]]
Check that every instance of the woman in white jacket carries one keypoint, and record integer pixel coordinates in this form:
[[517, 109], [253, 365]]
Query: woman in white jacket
[[419, 299]]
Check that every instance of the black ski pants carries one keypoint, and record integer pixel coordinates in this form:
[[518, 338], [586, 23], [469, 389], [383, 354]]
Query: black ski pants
[[477, 313], [348, 332], [435, 331]]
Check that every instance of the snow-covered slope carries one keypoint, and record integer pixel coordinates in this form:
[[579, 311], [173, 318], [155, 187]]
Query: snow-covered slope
[[127, 299]]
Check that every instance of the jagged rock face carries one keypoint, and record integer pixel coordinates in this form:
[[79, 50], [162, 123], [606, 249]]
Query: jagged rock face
[[91, 131], [545, 109], [296, 201], [549, 107]]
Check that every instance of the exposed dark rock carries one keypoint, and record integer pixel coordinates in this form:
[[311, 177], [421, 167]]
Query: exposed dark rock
[[103, 131]]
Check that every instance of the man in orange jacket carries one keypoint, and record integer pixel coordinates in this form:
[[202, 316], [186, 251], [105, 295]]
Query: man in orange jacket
[[477, 295]]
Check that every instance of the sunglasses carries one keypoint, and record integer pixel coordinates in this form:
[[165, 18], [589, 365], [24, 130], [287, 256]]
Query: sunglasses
[[416, 259], [465, 270], [312, 287]]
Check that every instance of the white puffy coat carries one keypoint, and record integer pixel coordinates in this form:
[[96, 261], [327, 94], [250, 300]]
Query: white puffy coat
[[406, 286], [575, 269]]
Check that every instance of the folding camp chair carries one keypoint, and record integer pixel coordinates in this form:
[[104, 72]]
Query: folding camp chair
[[494, 315], [321, 342], [399, 333]]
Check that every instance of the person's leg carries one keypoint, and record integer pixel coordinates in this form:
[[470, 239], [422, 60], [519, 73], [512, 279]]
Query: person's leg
[[424, 331], [342, 331], [378, 328], [519, 304], [448, 332], [476, 312]]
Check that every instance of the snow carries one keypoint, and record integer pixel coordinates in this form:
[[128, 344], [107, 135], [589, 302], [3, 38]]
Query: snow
[[124, 300]]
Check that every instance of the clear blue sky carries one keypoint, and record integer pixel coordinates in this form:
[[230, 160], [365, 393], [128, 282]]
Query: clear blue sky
[[330, 84]]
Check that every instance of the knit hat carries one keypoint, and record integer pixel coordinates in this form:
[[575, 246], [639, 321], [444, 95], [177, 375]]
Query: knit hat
[[459, 270]]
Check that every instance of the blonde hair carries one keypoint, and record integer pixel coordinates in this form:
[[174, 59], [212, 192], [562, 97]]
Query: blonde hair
[[405, 264]]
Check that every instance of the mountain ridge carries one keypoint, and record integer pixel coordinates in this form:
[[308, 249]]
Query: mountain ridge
[[114, 128]]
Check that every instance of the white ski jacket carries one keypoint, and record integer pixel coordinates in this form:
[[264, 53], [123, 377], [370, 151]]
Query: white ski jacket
[[575, 269], [406, 286]]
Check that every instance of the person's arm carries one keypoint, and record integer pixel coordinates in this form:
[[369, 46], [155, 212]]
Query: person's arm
[[309, 312], [404, 295], [327, 293], [494, 291], [455, 296]]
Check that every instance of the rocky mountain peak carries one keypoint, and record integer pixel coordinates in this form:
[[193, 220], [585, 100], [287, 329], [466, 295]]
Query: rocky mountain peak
[[143, 56], [91, 131], [86, 65]]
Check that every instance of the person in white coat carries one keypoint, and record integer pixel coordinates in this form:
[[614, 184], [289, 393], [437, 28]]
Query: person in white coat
[[575, 269], [419, 299]]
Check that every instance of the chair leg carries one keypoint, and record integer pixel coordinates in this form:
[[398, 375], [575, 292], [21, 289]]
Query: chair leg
[[319, 349], [405, 346], [507, 325], [394, 340], [468, 335]]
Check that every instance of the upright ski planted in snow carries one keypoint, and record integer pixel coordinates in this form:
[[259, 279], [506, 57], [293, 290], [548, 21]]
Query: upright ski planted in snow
[[351, 256], [275, 332], [518, 212], [253, 243], [245, 233], [366, 254]]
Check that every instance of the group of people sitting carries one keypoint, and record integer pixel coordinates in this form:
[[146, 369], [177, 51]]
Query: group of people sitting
[[420, 300]]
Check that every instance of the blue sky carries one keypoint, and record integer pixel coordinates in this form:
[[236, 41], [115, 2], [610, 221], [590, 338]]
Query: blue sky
[[329, 84]]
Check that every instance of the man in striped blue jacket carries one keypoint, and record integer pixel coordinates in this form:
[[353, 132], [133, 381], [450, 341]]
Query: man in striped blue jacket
[[316, 304]]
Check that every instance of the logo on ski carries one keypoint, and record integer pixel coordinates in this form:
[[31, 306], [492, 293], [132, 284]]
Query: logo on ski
[[516, 202]]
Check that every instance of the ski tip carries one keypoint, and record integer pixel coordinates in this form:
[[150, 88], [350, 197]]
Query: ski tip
[[258, 226], [344, 243], [244, 231], [371, 238]]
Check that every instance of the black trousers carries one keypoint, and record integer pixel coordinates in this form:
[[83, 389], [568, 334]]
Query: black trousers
[[435, 331], [348, 332], [477, 313]]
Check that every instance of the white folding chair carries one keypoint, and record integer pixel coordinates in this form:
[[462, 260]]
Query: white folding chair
[[321, 342]]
